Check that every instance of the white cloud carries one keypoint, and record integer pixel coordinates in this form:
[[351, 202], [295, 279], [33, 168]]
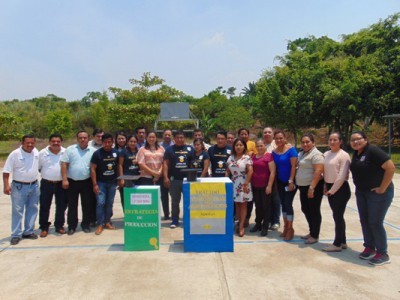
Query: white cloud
[[216, 40]]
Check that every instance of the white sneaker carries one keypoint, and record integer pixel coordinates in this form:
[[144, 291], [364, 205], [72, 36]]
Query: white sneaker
[[275, 226]]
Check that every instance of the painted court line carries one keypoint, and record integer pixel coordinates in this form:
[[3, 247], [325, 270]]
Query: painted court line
[[395, 227], [173, 244]]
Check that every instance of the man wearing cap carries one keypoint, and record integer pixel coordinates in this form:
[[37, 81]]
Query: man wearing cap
[[24, 190], [51, 184]]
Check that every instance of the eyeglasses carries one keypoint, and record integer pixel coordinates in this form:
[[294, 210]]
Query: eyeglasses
[[356, 140]]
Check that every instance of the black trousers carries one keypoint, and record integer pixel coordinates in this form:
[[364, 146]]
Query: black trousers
[[338, 202], [47, 190], [164, 192], [250, 205], [83, 188], [262, 202], [311, 207]]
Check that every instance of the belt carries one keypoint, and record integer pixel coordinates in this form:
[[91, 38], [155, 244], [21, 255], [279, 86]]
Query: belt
[[27, 183], [52, 181]]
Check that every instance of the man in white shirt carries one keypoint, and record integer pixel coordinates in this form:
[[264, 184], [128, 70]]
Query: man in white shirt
[[51, 184], [198, 134], [24, 189], [97, 142]]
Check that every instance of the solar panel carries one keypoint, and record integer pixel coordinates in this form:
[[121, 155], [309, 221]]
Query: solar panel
[[175, 111]]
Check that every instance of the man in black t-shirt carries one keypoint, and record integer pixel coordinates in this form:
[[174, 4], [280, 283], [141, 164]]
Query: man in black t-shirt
[[176, 158], [219, 154], [104, 172]]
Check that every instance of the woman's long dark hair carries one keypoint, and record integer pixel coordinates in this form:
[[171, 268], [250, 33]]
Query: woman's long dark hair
[[127, 141], [234, 144], [116, 140], [199, 140]]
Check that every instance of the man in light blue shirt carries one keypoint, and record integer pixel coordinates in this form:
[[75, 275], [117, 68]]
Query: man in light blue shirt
[[75, 170], [140, 133], [167, 139]]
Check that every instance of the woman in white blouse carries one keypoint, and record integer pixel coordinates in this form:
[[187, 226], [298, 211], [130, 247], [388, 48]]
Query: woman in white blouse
[[311, 185], [337, 189]]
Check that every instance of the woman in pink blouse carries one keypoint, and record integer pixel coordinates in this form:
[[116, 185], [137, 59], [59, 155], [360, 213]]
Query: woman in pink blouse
[[150, 159], [337, 189], [262, 181]]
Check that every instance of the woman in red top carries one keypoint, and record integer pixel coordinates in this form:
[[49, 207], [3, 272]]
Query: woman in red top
[[262, 181]]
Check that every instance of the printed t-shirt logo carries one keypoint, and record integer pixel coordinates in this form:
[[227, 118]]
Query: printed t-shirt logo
[[228, 151], [181, 158], [220, 164], [110, 166]]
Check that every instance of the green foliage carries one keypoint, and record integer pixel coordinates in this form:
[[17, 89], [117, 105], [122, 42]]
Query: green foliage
[[59, 121], [142, 91], [320, 82], [8, 120], [207, 125], [99, 111], [128, 117], [228, 113], [90, 98]]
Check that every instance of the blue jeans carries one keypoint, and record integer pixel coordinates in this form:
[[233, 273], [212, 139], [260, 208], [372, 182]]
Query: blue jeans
[[105, 201], [275, 209], [287, 200], [26, 197], [372, 208]]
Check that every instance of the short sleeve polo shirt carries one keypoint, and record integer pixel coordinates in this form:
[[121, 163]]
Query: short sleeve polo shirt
[[50, 164], [23, 165], [367, 167]]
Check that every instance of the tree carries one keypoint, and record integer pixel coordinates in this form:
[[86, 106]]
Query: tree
[[129, 117], [90, 98], [59, 121], [289, 94], [231, 91], [380, 44], [207, 125], [142, 91], [8, 121]]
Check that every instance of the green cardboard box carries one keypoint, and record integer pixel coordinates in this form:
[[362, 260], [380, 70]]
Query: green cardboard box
[[142, 218]]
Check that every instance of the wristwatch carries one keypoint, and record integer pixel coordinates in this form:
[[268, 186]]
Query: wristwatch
[[311, 187], [290, 181]]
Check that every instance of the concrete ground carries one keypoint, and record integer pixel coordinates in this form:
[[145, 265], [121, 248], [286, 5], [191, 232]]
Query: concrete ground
[[86, 266]]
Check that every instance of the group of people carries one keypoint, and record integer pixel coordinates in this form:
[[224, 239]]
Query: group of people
[[268, 171]]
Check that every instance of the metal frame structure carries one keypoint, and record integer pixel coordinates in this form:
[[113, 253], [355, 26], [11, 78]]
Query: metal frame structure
[[177, 106], [390, 117]]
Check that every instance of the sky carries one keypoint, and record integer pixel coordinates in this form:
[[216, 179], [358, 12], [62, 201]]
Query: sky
[[69, 48]]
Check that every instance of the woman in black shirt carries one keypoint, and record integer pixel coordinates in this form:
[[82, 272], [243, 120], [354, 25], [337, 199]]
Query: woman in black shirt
[[372, 172], [128, 164]]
